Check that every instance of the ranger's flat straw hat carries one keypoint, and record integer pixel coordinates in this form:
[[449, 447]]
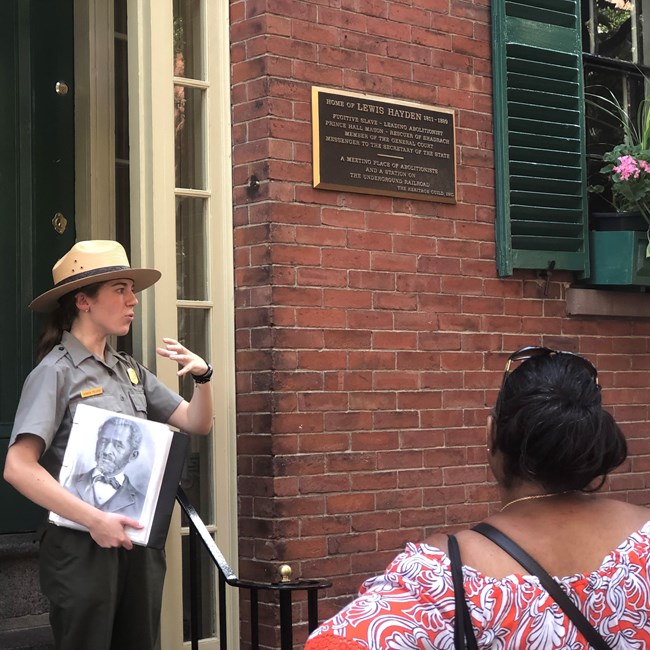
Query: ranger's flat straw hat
[[88, 262]]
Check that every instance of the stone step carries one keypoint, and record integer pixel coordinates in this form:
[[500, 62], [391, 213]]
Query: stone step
[[26, 633], [23, 609]]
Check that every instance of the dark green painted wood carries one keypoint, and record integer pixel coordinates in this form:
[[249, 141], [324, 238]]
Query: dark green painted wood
[[539, 136], [621, 256], [9, 207], [36, 181]]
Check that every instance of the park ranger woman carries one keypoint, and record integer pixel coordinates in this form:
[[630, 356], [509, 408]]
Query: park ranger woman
[[104, 592]]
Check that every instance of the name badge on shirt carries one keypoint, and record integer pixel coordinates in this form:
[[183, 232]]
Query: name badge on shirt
[[132, 376], [92, 391]]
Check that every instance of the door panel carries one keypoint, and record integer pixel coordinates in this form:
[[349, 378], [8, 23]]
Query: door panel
[[36, 182]]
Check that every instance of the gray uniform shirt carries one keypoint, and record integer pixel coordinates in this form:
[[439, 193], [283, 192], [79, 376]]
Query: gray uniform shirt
[[70, 375]]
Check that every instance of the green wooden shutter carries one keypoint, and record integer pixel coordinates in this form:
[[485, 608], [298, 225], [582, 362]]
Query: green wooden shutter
[[539, 136]]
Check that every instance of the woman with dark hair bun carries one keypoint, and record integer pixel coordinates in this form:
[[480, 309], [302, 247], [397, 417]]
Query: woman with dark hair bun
[[551, 445], [551, 429]]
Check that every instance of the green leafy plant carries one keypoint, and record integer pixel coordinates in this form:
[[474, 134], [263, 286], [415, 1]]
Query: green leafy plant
[[628, 171], [627, 164]]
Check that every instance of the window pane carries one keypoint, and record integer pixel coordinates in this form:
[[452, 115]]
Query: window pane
[[193, 332], [119, 16], [615, 87], [606, 88], [188, 121], [196, 478], [121, 99], [614, 29], [123, 204], [206, 587], [191, 253], [604, 130], [187, 39], [122, 182]]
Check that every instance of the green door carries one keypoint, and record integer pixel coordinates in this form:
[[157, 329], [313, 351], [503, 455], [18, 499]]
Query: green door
[[36, 185]]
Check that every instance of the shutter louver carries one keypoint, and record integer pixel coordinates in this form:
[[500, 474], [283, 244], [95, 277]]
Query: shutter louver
[[539, 136]]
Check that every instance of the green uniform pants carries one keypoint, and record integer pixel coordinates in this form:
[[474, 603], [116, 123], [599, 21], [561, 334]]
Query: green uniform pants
[[101, 598]]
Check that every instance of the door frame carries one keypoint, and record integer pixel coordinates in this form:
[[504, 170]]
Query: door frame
[[151, 125]]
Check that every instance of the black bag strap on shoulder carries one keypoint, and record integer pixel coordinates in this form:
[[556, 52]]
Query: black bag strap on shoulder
[[590, 633], [463, 631]]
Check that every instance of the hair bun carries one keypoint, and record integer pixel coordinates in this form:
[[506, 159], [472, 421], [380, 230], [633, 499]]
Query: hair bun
[[552, 429]]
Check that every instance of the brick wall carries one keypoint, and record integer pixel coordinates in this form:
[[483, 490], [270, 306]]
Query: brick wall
[[372, 331]]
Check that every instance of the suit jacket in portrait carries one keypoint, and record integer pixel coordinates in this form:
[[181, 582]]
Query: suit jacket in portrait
[[127, 500]]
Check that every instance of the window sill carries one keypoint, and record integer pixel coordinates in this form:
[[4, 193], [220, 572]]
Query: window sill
[[605, 302]]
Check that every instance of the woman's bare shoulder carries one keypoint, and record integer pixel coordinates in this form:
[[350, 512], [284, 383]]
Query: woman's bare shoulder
[[437, 540], [564, 540]]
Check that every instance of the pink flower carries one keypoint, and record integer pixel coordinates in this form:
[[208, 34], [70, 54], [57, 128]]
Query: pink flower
[[627, 167]]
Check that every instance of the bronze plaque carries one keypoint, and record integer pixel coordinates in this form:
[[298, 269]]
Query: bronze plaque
[[375, 145]]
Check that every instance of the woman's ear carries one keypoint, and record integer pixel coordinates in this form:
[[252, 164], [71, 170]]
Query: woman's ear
[[491, 431], [494, 456], [81, 301]]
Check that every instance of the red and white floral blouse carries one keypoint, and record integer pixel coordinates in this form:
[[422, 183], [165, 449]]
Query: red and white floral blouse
[[411, 606]]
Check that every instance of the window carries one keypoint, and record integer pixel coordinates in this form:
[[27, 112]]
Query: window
[[193, 291], [548, 142], [181, 215], [615, 53]]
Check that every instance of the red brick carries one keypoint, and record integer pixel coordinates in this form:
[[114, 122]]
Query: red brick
[[375, 521], [393, 262], [398, 341], [370, 319], [367, 440], [396, 380], [463, 475], [341, 340], [346, 259], [327, 442], [371, 563], [395, 419], [327, 525], [422, 517], [321, 484], [352, 462], [350, 503], [347, 421], [374, 481], [298, 422], [371, 332], [321, 360], [321, 401], [373, 400], [397, 539], [410, 478], [325, 317], [374, 280], [321, 278], [342, 544]]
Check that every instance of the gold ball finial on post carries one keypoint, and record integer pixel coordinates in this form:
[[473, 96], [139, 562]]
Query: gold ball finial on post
[[285, 573]]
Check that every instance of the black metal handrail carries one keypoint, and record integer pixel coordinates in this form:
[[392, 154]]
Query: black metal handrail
[[199, 535]]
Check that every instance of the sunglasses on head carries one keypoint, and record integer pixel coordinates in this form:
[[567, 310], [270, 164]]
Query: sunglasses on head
[[532, 351]]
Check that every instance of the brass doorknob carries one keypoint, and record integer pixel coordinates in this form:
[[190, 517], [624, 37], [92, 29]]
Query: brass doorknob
[[61, 88], [59, 223]]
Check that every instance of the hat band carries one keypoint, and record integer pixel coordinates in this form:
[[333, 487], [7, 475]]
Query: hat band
[[91, 273]]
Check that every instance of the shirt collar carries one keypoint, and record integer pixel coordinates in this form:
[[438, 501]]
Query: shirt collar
[[79, 352], [118, 477]]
